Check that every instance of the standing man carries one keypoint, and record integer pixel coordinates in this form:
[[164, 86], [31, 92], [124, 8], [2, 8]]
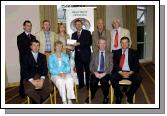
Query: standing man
[[126, 66], [46, 37], [82, 52], [101, 66], [23, 44], [117, 33], [101, 32], [36, 82]]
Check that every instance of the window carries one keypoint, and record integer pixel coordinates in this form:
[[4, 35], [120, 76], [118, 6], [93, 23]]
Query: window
[[141, 31]]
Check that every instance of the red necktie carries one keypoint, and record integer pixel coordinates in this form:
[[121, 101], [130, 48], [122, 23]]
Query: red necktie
[[121, 63], [116, 39]]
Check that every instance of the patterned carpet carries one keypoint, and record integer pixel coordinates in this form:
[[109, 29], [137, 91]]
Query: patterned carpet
[[144, 95]]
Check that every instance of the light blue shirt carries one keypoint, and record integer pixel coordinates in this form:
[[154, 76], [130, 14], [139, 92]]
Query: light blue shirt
[[125, 66], [54, 64], [98, 69]]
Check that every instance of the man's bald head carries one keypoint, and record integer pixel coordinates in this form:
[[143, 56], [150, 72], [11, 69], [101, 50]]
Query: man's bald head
[[100, 24]]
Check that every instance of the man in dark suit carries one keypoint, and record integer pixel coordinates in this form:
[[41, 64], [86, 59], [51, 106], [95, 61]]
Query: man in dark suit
[[34, 70], [23, 44], [126, 66], [100, 66], [82, 52]]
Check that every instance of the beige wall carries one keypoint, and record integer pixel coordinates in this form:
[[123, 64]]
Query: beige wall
[[112, 12], [14, 17]]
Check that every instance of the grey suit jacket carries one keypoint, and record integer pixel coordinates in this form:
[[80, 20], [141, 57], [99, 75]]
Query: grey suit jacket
[[95, 37], [95, 62]]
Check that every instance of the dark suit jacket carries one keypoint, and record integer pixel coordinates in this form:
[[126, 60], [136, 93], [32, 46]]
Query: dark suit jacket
[[95, 62], [23, 44], [132, 60], [31, 67], [85, 43]]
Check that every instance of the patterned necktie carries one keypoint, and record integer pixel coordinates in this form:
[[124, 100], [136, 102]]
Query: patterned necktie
[[102, 62], [122, 59], [116, 39], [78, 34], [29, 36]]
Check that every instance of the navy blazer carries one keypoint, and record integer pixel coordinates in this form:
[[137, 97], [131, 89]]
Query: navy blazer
[[85, 43], [23, 44], [31, 67], [132, 60]]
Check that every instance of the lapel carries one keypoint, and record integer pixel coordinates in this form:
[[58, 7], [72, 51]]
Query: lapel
[[80, 35], [129, 57], [32, 57], [97, 60], [27, 38], [106, 59]]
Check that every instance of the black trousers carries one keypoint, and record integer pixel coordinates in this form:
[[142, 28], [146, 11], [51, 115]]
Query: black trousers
[[134, 78], [82, 65], [104, 85]]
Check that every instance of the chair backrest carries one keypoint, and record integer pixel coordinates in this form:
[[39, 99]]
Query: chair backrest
[[125, 82]]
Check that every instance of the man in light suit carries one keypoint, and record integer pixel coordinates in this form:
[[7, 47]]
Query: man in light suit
[[117, 33], [46, 37], [100, 66], [99, 33]]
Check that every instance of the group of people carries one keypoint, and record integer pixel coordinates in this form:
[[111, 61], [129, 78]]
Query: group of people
[[111, 59]]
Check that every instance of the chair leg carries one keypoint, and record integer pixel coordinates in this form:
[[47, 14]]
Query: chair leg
[[51, 101], [76, 95], [112, 94], [28, 100], [134, 98], [89, 96], [54, 92]]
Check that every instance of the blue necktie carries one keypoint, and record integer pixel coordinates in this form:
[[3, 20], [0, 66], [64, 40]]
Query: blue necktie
[[102, 62]]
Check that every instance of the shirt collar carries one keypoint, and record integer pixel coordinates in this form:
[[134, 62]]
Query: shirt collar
[[102, 51], [34, 53], [125, 49], [117, 29], [46, 32], [27, 32], [80, 31]]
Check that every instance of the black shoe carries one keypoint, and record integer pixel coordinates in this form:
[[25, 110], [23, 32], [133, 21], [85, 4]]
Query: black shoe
[[105, 100], [87, 100], [80, 87], [129, 99], [118, 100]]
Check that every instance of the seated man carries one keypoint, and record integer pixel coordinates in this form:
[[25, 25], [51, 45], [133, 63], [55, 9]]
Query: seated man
[[36, 83], [126, 66], [100, 67]]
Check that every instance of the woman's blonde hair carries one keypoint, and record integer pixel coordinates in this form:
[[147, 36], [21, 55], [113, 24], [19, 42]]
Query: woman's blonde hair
[[59, 25], [56, 43]]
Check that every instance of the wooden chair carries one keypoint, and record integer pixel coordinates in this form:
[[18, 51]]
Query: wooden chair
[[29, 100], [54, 91], [123, 82]]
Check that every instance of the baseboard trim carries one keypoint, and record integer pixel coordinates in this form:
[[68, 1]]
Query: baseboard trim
[[13, 84]]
